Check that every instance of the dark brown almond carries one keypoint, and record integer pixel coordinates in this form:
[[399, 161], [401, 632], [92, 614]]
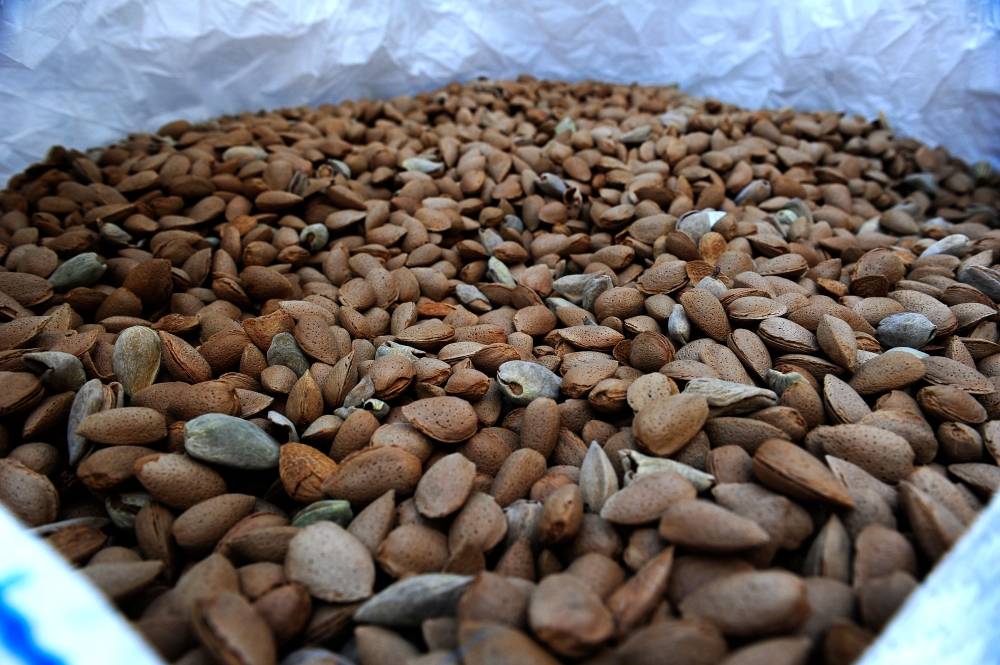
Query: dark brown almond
[[232, 631], [200, 527], [567, 616], [788, 469], [177, 480], [28, 494]]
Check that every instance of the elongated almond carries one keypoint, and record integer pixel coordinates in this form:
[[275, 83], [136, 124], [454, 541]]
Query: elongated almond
[[750, 604], [367, 474], [889, 371], [445, 487], [704, 526], [128, 425], [646, 498], [885, 455], [785, 467]]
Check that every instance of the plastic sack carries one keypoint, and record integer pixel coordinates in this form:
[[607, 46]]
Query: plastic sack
[[50, 616], [84, 74]]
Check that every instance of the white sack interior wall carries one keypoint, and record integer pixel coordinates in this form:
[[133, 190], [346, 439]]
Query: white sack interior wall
[[84, 74]]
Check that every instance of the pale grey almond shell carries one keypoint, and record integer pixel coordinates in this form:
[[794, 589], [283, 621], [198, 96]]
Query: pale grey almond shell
[[721, 393], [89, 400], [81, 270], [678, 325], [645, 464], [284, 350], [220, 439], [136, 358], [327, 510], [907, 329], [411, 600], [535, 380], [779, 382], [598, 480], [499, 273], [573, 286], [64, 372]]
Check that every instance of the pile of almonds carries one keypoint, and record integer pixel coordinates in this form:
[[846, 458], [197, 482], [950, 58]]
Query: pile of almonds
[[510, 372]]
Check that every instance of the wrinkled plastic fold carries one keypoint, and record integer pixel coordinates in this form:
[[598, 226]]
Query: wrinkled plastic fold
[[83, 74]]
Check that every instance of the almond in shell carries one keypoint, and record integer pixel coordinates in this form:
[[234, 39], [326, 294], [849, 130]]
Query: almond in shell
[[445, 419], [788, 469], [667, 424]]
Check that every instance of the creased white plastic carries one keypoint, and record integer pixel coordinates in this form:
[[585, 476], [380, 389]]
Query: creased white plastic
[[50, 615], [82, 74]]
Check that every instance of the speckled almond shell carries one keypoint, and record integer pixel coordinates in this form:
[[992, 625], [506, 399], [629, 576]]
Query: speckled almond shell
[[663, 277], [428, 336], [646, 498], [742, 432], [810, 316], [945, 371], [412, 549], [787, 336], [28, 494], [951, 403], [592, 338], [837, 340], [889, 371], [200, 527], [445, 486], [107, 468], [302, 470], [445, 419], [127, 425], [883, 454], [481, 523], [367, 474], [666, 425], [791, 470], [516, 476], [332, 563], [751, 351], [843, 403], [177, 480], [540, 429], [182, 361], [706, 527], [705, 311]]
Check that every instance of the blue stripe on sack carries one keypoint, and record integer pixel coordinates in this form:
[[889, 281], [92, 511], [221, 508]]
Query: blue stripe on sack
[[16, 635]]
